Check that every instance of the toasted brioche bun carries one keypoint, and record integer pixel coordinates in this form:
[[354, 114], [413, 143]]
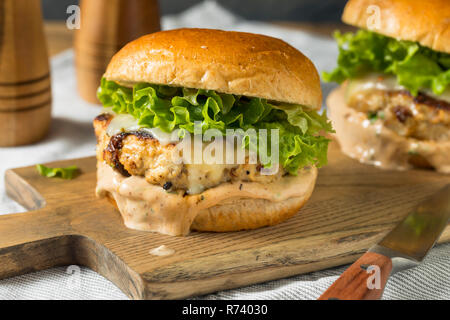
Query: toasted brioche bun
[[230, 62], [380, 146], [245, 214], [424, 21], [235, 214]]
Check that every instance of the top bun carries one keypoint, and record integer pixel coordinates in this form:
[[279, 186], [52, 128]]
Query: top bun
[[230, 62], [424, 21]]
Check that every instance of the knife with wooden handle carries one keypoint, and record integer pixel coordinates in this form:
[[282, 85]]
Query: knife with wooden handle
[[404, 247]]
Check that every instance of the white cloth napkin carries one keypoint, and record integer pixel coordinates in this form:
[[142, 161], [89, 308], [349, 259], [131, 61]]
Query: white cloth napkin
[[72, 136]]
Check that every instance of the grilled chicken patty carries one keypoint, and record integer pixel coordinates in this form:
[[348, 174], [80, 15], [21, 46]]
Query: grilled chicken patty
[[138, 153], [421, 117]]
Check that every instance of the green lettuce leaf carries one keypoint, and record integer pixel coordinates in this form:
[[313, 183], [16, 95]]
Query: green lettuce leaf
[[170, 108], [416, 67], [64, 173]]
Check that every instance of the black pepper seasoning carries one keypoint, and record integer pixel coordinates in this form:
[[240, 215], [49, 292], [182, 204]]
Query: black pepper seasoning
[[167, 185]]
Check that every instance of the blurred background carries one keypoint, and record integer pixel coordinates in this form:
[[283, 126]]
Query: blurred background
[[316, 16], [102, 27], [265, 10]]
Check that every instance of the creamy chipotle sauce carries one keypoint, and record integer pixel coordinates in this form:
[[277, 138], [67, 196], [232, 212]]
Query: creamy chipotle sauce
[[150, 208], [162, 251]]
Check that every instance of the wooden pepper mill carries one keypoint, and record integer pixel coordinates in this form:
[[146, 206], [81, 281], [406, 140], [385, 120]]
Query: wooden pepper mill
[[25, 91], [106, 26]]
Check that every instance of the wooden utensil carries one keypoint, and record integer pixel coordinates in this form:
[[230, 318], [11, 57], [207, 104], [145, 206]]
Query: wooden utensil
[[25, 91], [353, 206], [106, 26]]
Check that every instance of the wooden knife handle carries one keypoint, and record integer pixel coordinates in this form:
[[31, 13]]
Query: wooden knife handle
[[363, 280]]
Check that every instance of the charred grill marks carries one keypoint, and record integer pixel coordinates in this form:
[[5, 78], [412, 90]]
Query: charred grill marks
[[402, 113], [167, 185], [141, 134], [103, 117], [114, 146], [422, 98], [432, 102]]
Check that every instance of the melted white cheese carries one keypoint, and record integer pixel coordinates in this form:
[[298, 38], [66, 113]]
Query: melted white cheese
[[122, 123], [216, 156], [162, 251], [126, 123], [213, 159], [211, 164]]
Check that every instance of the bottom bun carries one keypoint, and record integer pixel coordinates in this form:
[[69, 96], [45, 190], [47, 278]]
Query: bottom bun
[[242, 214], [230, 213], [375, 144]]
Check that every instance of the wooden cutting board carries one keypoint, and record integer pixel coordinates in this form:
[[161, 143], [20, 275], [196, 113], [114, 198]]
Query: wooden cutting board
[[352, 207]]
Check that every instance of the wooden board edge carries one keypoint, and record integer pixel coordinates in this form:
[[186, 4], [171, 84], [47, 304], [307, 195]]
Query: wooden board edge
[[188, 289]]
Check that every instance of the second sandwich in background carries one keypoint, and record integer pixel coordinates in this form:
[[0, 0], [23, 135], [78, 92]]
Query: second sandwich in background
[[393, 108]]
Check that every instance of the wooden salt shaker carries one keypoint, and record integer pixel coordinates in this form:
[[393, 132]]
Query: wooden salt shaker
[[106, 26], [25, 91]]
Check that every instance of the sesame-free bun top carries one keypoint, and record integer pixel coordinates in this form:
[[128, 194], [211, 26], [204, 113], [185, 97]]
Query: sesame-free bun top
[[230, 62], [424, 21]]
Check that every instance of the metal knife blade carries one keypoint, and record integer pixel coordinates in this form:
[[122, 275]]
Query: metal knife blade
[[410, 241]]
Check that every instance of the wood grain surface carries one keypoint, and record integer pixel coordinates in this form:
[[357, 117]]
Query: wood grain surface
[[352, 207]]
